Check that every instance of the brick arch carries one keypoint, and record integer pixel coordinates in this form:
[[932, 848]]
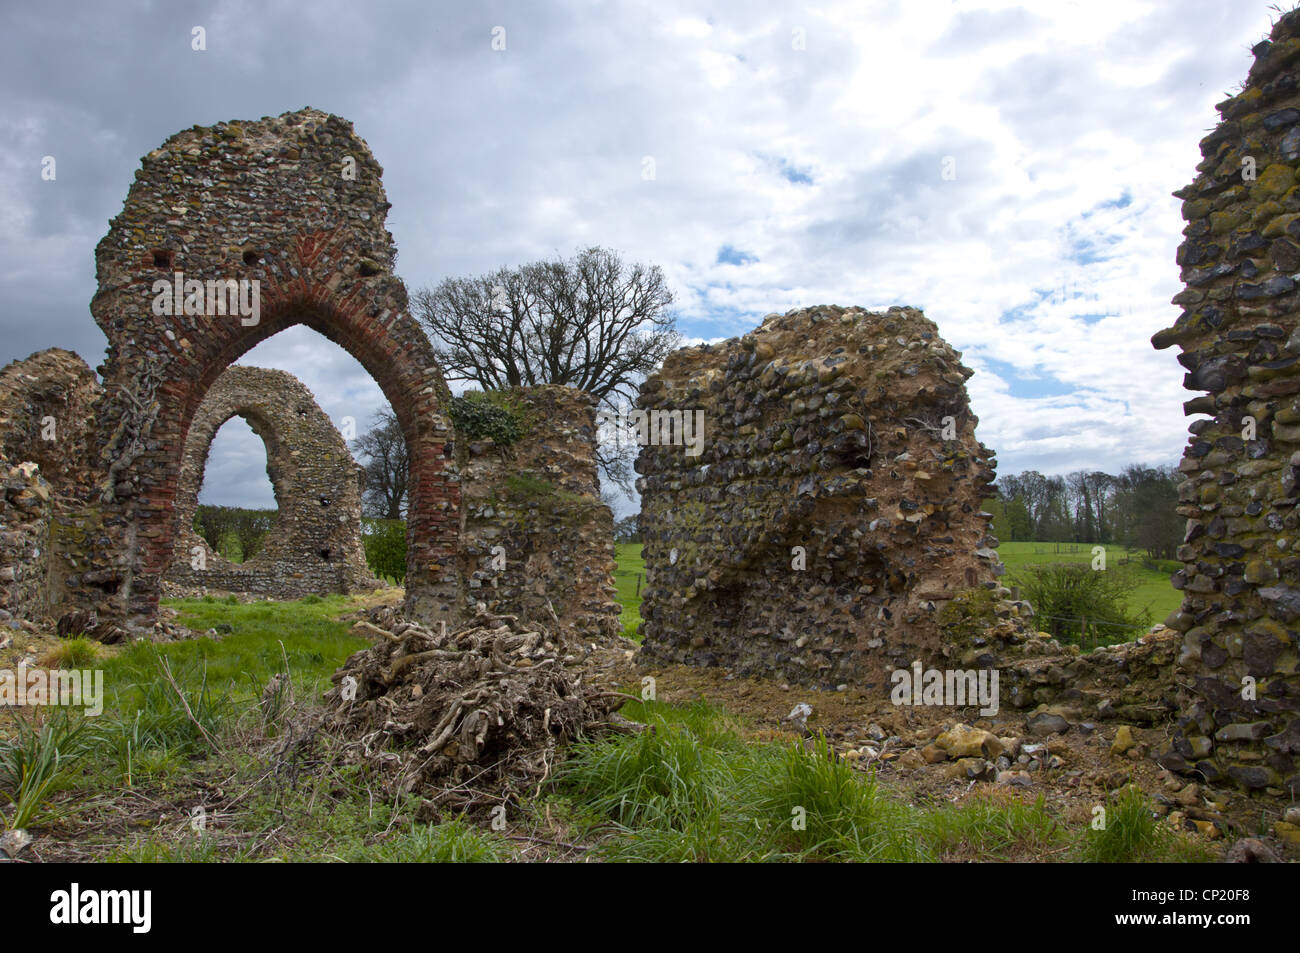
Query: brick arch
[[315, 544], [296, 204]]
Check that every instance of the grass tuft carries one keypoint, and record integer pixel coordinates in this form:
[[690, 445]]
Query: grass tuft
[[77, 652], [1132, 832], [36, 762]]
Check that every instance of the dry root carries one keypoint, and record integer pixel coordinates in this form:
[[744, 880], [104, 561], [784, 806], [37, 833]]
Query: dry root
[[462, 717]]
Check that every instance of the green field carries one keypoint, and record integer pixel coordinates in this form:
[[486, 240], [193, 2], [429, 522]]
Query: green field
[[1154, 593], [631, 568]]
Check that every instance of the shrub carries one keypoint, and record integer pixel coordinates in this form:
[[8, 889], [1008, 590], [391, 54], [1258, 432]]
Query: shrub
[[1064, 595], [488, 414], [969, 616], [385, 545]]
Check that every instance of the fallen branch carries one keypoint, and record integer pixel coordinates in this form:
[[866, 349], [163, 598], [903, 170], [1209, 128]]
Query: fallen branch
[[207, 736]]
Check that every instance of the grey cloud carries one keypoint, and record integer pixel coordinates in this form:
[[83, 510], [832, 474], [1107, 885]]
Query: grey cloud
[[497, 158]]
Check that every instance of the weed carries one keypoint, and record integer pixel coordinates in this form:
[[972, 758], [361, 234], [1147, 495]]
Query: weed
[[1132, 833], [36, 762], [71, 653]]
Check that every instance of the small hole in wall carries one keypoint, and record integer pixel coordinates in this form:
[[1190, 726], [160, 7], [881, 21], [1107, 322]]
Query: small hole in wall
[[252, 257], [163, 258], [325, 555], [324, 501]]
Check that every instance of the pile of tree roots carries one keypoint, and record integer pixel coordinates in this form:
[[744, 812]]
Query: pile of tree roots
[[463, 717]]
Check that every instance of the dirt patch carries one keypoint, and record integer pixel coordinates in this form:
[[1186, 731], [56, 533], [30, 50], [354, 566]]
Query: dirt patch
[[1074, 770]]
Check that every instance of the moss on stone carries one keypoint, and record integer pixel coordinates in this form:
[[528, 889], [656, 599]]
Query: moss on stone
[[970, 614]]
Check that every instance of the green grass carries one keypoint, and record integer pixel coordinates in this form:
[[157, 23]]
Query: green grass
[[146, 733], [992, 827], [630, 568], [1154, 592], [454, 841], [823, 809], [691, 788], [78, 652], [1131, 833], [329, 817], [314, 640], [157, 737], [37, 762]]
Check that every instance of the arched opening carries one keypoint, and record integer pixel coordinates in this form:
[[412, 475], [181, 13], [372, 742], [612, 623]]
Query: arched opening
[[238, 506], [358, 408], [283, 516], [324, 260]]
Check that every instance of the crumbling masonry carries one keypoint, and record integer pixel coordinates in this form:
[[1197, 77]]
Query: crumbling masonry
[[834, 508], [315, 545], [296, 204], [537, 540], [230, 234], [46, 403], [1240, 339]]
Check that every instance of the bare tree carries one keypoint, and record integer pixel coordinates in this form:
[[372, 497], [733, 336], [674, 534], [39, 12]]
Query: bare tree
[[590, 322], [383, 449]]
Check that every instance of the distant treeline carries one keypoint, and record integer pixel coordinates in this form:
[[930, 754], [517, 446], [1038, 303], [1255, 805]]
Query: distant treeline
[[232, 531], [1135, 508], [238, 534]]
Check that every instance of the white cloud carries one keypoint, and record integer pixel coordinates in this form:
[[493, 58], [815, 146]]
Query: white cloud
[[1069, 124]]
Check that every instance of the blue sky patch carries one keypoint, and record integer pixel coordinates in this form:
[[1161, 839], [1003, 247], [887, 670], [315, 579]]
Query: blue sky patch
[[1031, 385], [729, 255], [792, 173]]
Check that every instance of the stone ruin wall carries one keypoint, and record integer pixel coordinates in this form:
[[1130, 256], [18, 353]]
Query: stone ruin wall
[[823, 429], [25, 505], [1239, 334], [538, 500], [46, 404], [295, 202], [315, 545], [558, 546]]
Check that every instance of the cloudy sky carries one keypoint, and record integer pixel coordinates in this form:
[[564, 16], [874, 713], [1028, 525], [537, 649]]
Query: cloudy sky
[[1006, 167]]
